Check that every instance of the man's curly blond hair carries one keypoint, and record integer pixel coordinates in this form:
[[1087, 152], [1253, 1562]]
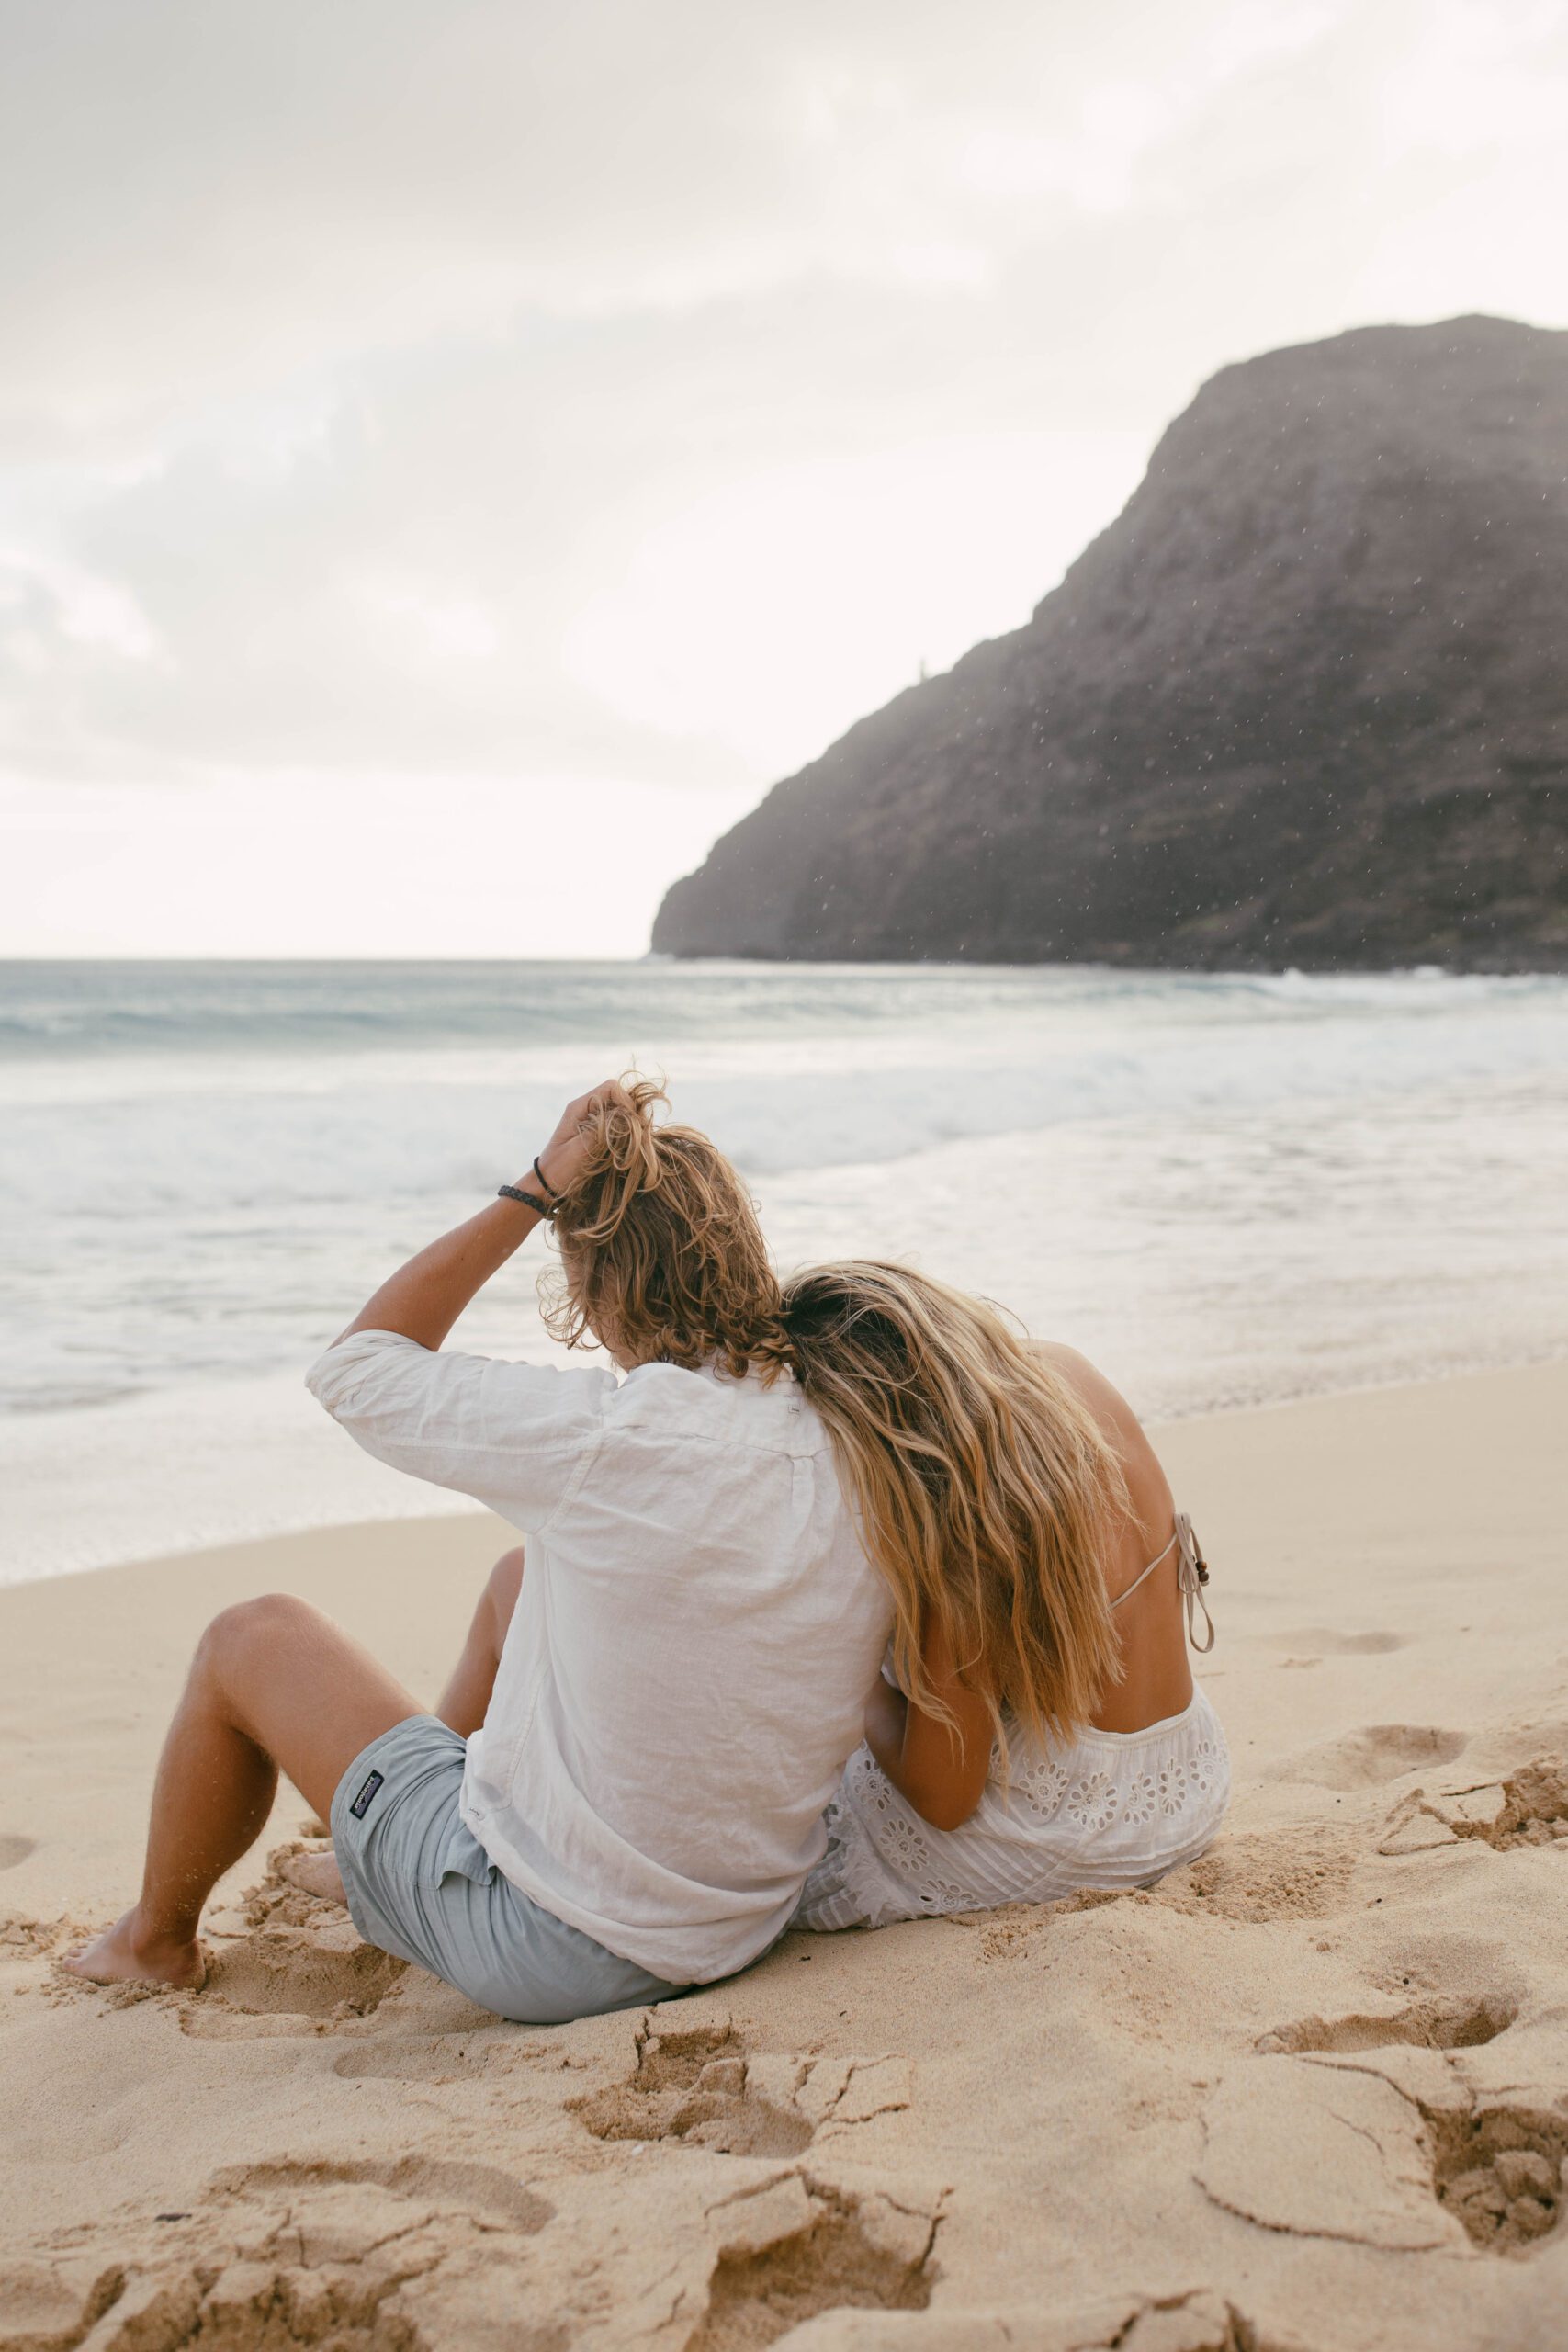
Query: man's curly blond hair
[[663, 1255]]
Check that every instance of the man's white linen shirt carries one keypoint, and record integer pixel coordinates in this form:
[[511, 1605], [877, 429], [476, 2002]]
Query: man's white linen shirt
[[688, 1664]]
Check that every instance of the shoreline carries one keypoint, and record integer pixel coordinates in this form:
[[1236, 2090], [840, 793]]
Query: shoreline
[[361, 1492], [1239, 2107]]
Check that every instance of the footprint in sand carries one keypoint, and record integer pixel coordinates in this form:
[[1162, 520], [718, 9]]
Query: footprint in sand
[[15, 1848], [1503, 2173], [1386, 2147], [700, 2085], [1378, 1752], [1318, 2148], [361, 2255], [284, 1980], [355, 2255], [1459, 2021], [1324, 1641], [1526, 1807], [301, 1967], [797, 2247], [1529, 1807]]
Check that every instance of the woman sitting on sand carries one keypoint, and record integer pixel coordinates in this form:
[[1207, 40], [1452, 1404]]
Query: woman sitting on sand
[[1036, 1730], [623, 1792]]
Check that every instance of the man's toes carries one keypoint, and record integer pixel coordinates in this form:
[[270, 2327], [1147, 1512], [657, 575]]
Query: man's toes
[[80, 1961]]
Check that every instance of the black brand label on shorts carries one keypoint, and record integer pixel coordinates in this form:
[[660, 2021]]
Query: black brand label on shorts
[[362, 1802]]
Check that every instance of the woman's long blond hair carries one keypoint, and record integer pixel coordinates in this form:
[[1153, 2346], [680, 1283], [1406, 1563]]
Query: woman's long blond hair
[[985, 1490], [987, 1493]]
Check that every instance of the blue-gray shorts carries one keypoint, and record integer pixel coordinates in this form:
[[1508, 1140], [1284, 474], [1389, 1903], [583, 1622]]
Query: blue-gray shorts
[[420, 1885]]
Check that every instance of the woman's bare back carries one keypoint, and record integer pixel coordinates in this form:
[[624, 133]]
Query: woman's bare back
[[1157, 1680]]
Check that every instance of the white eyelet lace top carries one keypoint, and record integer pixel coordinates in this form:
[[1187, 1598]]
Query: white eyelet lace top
[[1109, 1810]]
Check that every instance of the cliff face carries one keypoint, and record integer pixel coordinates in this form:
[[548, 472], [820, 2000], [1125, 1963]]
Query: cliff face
[[1305, 702]]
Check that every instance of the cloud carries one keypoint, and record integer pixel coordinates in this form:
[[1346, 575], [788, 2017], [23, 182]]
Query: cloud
[[625, 396], [201, 195]]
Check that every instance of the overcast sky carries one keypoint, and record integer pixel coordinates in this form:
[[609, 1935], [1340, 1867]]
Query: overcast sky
[[456, 454]]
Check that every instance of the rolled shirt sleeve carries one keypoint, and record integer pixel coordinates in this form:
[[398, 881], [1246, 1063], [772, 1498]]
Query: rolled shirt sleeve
[[515, 1436]]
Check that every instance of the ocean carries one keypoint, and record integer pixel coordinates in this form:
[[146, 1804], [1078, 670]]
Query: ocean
[[1228, 1190]]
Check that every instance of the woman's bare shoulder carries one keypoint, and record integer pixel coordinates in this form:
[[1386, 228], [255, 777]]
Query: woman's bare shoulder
[[1148, 1488], [1104, 1400]]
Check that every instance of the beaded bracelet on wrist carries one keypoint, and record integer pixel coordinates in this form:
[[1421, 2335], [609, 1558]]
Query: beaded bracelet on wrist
[[529, 1200]]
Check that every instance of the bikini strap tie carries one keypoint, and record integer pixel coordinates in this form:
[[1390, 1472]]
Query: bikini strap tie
[[1192, 1575]]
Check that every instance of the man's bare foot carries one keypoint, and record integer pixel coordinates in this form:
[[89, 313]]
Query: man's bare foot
[[315, 1874], [125, 1956]]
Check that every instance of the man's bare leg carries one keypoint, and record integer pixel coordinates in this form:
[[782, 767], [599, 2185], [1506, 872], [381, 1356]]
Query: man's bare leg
[[463, 1704], [466, 1700], [273, 1685]]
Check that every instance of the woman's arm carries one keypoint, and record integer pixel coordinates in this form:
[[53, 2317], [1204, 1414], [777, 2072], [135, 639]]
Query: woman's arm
[[423, 1299], [940, 1772]]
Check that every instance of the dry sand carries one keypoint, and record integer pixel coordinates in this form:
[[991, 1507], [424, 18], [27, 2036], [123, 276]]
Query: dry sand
[[1311, 2093]]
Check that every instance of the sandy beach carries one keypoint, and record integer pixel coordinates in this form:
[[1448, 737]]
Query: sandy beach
[[1310, 2095], [701, 727]]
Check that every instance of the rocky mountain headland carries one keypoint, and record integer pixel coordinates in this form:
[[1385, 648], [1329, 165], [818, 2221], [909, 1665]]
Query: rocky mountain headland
[[1304, 701]]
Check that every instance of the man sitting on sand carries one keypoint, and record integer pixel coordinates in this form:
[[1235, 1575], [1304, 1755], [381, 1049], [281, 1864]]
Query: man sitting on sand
[[624, 1788]]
